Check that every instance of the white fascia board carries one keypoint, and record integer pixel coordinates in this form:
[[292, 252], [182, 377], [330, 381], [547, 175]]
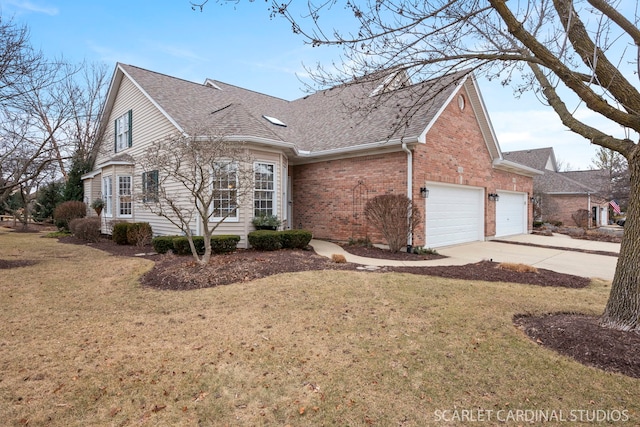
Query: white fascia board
[[485, 113], [91, 174], [115, 163], [510, 166]]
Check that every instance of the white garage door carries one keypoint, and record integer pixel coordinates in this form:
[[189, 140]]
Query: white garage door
[[511, 214], [454, 214]]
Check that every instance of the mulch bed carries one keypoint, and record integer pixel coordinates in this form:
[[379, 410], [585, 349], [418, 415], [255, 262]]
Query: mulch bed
[[574, 335]]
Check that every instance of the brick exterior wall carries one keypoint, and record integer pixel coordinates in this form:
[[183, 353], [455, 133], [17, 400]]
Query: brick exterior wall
[[329, 197], [560, 208]]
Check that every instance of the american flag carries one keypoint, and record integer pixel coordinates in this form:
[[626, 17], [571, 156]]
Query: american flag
[[615, 206]]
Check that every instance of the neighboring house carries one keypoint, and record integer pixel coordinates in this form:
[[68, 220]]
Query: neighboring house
[[326, 154], [559, 195]]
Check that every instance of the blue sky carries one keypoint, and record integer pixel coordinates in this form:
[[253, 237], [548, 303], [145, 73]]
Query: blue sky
[[239, 44]]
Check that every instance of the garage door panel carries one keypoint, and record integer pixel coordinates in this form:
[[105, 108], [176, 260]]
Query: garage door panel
[[454, 214], [511, 214]]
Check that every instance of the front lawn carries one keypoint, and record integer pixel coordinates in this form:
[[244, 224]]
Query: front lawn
[[83, 343]]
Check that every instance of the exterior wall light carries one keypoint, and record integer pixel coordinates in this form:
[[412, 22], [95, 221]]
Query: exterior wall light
[[424, 192], [494, 197]]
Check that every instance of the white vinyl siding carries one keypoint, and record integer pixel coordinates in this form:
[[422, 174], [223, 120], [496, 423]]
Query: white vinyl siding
[[454, 214]]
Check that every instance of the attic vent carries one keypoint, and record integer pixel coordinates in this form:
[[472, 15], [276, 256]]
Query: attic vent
[[212, 84], [391, 82], [275, 121]]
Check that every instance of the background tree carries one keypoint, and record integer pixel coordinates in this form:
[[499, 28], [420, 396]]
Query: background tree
[[48, 114], [569, 52], [617, 171], [196, 181]]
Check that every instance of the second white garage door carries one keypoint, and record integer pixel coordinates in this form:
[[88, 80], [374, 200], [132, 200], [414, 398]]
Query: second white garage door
[[454, 214], [511, 214]]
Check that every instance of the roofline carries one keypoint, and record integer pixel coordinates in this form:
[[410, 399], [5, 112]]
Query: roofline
[[304, 154]]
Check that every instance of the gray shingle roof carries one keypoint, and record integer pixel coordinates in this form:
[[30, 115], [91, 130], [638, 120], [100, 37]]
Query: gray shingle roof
[[572, 182], [339, 117]]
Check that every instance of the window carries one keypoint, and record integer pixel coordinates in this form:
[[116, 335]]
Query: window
[[125, 204], [225, 191], [107, 196], [264, 189], [123, 132], [150, 186]]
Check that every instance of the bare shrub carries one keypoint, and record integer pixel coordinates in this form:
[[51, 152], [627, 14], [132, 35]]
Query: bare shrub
[[86, 228], [581, 217], [395, 216], [66, 211], [139, 234]]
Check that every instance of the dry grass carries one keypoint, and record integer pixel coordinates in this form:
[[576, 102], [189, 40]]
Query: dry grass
[[81, 343], [520, 268]]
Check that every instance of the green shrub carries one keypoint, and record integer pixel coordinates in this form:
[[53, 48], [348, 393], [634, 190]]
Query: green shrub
[[163, 244], [86, 228], [224, 244], [295, 239], [119, 232], [66, 211], [265, 240], [181, 245], [139, 234], [219, 244]]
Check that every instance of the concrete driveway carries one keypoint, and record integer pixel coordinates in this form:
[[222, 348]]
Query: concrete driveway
[[558, 254]]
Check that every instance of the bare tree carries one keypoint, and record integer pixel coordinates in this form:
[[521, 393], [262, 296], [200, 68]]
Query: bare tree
[[48, 112], [570, 52], [617, 170], [196, 180]]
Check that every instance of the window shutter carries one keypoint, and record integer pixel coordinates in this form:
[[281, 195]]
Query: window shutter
[[115, 136], [130, 113]]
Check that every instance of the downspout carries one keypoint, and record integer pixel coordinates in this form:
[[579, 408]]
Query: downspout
[[409, 187], [591, 218]]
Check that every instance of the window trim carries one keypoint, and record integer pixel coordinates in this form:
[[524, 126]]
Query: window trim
[[107, 196], [119, 213], [274, 190], [236, 216], [150, 195], [119, 143]]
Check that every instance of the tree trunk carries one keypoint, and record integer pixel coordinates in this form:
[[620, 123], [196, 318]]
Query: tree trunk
[[623, 307]]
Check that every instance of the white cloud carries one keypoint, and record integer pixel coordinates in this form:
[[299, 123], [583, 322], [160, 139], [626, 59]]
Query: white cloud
[[27, 6]]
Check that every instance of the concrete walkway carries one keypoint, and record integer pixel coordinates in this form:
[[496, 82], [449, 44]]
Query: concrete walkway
[[557, 255]]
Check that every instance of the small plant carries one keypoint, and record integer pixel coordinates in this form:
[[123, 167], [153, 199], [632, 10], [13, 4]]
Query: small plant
[[266, 222], [421, 250], [97, 205], [366, 242], [395, 217]]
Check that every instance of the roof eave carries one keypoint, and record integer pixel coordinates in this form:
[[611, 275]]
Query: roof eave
[[509, 166]]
